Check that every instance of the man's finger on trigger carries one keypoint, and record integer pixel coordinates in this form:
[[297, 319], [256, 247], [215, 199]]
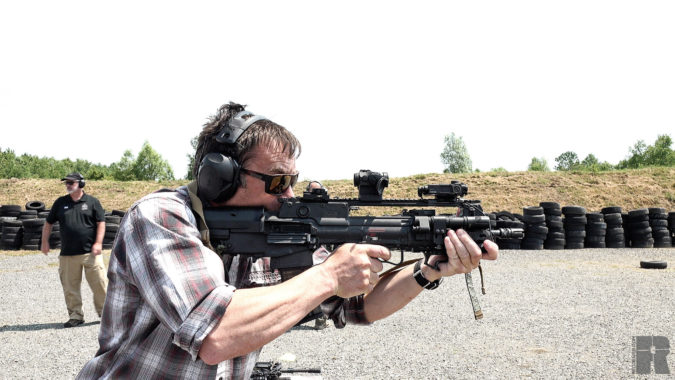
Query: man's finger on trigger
[[378, 252]]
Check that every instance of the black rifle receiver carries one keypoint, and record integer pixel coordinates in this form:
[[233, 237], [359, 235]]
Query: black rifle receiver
[[302, 225]]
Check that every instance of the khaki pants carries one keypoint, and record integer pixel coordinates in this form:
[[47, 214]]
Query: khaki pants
[[70, 272]]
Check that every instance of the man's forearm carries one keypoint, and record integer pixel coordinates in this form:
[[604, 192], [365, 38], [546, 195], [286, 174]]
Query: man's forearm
[[257, 316], [391, 294], [100, 232]]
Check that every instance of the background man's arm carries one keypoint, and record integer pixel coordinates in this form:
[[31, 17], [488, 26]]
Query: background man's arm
[[97, 248], [46, 231]]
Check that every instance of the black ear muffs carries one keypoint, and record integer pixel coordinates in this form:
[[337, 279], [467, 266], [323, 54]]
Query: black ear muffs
[[218, 177], [218, 174], [80, 183]]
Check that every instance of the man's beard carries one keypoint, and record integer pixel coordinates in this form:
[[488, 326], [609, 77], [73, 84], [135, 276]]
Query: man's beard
[[71, 190]]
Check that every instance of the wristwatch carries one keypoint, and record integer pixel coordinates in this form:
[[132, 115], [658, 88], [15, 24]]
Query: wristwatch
[[419, 277]]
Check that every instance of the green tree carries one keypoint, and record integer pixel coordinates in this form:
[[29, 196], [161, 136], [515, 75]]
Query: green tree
[[538, 165], [150, 166], [641, 154], [455, 157], [122, 170], [660, 154], [567, 161], [191, 158], [590, 161]]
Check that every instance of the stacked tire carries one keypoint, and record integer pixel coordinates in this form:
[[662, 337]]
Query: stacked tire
[[12, 211], [112, 225], [535, 228], [596, 230], [615, 237], [27, 214], [639, 230], [574, 223], [12, 234], [556, 232], [505, 219], [32, 234], [55, 237], [658, 221]]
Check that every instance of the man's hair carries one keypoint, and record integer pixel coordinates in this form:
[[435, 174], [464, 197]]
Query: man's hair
[[261, 133]]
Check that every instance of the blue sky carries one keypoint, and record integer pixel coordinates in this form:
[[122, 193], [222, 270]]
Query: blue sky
[[364, 85]]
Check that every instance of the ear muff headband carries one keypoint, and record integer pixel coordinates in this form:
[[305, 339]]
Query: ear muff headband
[[237, 125]]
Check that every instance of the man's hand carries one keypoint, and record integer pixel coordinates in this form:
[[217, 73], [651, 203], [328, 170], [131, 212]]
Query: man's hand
[[464, 255], [354, 268], [96, 249], [44, 247]]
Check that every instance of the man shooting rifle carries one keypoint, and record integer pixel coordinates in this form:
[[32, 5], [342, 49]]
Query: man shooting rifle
[[175, 311]]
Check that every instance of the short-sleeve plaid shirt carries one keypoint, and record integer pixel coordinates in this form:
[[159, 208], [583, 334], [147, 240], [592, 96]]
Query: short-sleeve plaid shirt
[[166, 292]]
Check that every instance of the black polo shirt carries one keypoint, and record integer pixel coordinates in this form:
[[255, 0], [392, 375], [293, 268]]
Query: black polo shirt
[[77, 223]]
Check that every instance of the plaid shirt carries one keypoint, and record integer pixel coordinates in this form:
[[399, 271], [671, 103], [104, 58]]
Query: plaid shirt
[[167, 291]]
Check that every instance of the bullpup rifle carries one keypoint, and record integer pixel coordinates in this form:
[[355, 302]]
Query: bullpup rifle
[[302, 225]]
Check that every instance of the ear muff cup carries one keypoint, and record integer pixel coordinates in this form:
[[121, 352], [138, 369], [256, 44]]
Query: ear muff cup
[[218, 177], [81, 183]]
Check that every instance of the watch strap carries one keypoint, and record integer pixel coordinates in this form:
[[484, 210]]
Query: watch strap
[[421, 280]]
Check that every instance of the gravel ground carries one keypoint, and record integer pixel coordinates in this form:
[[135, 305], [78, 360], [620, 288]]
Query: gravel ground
[[548, 314]]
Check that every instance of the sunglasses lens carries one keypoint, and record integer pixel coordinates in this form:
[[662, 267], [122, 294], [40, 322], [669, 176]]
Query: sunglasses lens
[[276, 185], [279, 183], [69, 182]]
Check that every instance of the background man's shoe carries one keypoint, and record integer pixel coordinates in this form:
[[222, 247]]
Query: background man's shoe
[[73, 323]]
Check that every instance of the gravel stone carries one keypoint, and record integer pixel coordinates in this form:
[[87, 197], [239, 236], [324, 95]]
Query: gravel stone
[[548, 314]]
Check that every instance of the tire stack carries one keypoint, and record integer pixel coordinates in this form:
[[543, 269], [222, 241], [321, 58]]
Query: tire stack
[[11, 211], [615, 237], [658, 221], [27, 214], [55, 237], [596, 230], [535, 228], [639, 231], [12, 234], [505, 219], [32, 234], [112, 225], [556, 233], [574, 222]]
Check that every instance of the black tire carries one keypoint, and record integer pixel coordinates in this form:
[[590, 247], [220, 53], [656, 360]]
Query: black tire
[[530, 219], [653, 264], [112, 227], [575, 220], [550, 205], [118, 212], [639, 212], [112, 219], [11, 230], [35, 205], [533, 210], [611, 210], [573, 210]]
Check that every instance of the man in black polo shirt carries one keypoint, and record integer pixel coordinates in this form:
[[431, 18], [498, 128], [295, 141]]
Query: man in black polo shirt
[[82, 227]]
